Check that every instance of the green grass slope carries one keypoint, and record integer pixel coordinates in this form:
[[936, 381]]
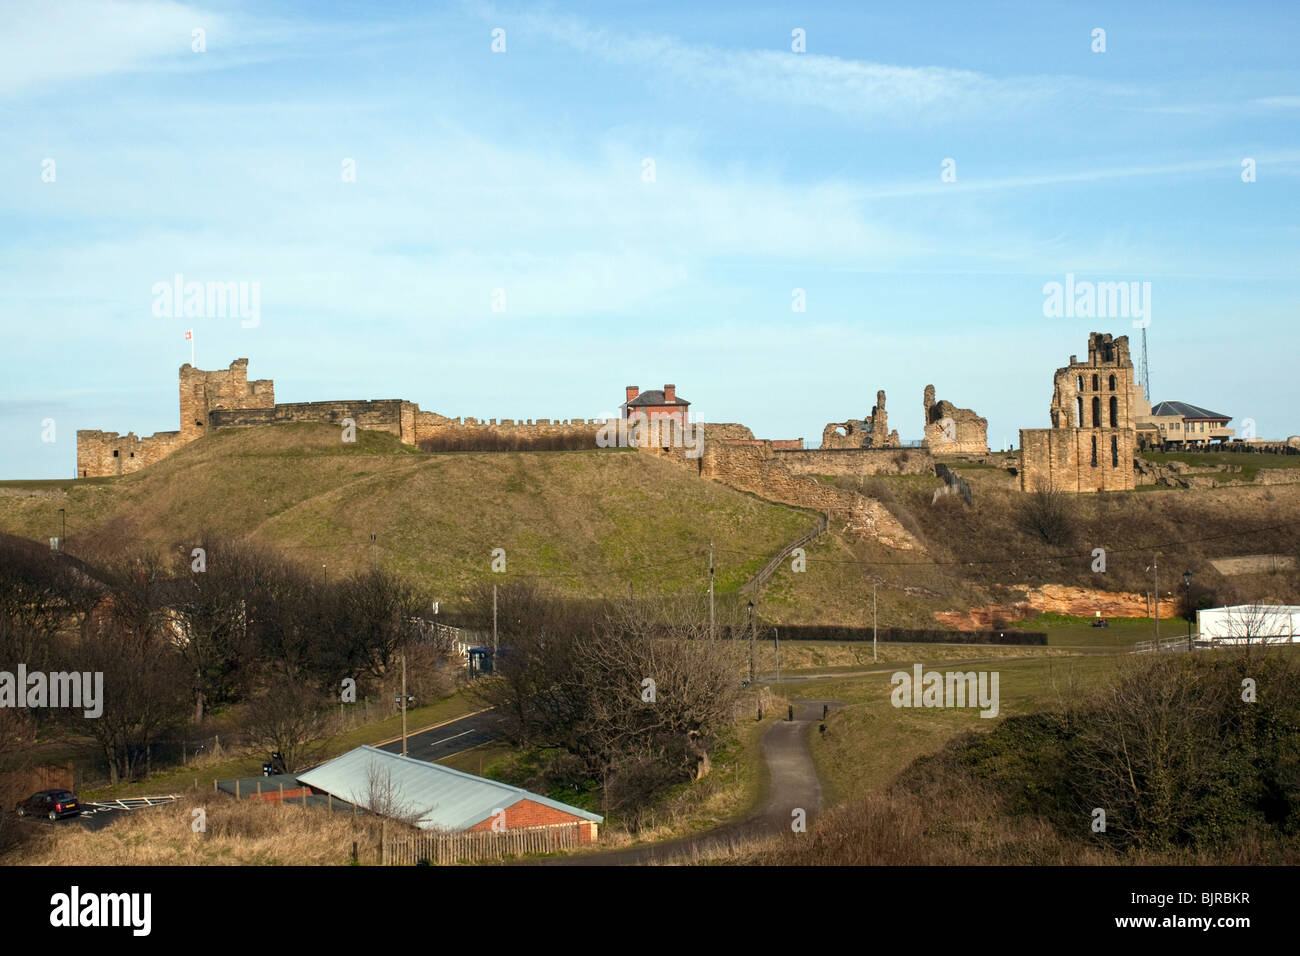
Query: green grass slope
[[593, 522]]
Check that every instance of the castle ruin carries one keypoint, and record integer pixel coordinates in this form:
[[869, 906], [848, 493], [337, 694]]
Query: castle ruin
[[870, 432], [950, 430], [1094, 412], [225, 398]]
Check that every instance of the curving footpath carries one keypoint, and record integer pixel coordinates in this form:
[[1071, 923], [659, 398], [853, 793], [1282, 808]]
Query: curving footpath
[[792, 784]]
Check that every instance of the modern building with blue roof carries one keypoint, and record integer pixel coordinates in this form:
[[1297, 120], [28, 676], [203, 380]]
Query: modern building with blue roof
[[434, 797]]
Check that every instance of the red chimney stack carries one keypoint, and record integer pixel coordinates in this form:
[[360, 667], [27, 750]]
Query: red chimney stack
[[670, 394], [632, 392]]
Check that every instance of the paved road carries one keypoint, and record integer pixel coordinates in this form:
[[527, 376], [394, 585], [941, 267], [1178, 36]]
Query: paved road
[[792, 784], [447, 739]]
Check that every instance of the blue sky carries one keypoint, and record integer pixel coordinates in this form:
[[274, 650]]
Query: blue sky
[[523, 171]]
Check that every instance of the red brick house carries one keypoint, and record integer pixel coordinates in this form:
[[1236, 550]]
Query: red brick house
[[656, 404]]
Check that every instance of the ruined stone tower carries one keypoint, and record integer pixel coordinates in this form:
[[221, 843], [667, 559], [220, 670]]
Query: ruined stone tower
[[950, 430], [201, 392], [1094, 409]]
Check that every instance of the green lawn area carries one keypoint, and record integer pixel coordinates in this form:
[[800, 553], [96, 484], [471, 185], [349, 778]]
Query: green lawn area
[[1123, 632], [1250, 464], [868, 741]]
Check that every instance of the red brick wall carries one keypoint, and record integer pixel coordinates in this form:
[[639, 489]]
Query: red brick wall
[[273, 796], [528, 813]]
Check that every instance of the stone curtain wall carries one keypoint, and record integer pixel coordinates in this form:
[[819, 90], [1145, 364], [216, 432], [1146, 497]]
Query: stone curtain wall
[[101, 453], [757, 469], [432, 425], [392, 415], [856, 461]]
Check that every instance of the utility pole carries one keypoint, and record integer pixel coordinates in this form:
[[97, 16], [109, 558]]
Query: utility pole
[[873, 621], [776, 640], [710, 590], [403, 705], [373, 563], [752, 626], [494, 624], [1155, 583]]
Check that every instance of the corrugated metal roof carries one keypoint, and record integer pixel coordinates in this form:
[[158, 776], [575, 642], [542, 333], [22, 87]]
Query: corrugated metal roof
[[1185, 410], [444, 799]]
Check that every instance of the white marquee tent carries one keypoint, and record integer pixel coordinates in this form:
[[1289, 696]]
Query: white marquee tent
[[1250, 623]]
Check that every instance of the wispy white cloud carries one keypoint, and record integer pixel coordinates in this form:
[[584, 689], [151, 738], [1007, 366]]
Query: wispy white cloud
[[845, 86], [42, 44]]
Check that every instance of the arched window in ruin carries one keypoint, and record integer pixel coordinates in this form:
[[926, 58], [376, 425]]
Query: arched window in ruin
[[1078, 410], [1114, 412], [1094, 451], [1114, 451], [1112, 383], [1096, 387], [1096, 412], [1079, 383]]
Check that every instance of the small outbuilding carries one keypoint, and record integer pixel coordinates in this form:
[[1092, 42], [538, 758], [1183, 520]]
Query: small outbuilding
[[434, 797]]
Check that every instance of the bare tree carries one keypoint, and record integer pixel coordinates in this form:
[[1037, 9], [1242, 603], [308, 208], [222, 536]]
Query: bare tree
[[1047, 513], [144, 693], [1256, 624], [386, 799], [637, 694], [210, 620], [290, 718]]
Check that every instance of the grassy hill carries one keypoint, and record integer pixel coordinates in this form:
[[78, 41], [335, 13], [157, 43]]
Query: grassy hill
[[592, 522], [603, 522]]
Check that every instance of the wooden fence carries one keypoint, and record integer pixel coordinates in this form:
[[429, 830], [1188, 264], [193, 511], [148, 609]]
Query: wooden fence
[[759, 579], [440, 848]]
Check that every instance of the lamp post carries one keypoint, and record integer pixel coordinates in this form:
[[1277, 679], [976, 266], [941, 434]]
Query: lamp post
[[751, 642], [873, 622], [1187, 582]]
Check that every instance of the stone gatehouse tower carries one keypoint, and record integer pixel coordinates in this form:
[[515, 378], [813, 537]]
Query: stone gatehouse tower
[[1095, 404], [101, 453]]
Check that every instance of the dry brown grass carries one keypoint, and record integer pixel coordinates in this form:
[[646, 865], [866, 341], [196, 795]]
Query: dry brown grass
[[243, 833], [965, 828]]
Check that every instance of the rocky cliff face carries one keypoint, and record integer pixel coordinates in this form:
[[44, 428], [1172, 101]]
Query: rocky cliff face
[[1057, 599]]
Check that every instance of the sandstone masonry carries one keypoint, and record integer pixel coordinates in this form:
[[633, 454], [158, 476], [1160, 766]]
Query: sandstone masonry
[[950, 430], [1093, 435]]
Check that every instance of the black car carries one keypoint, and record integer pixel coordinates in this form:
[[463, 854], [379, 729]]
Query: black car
[[50, 803]]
